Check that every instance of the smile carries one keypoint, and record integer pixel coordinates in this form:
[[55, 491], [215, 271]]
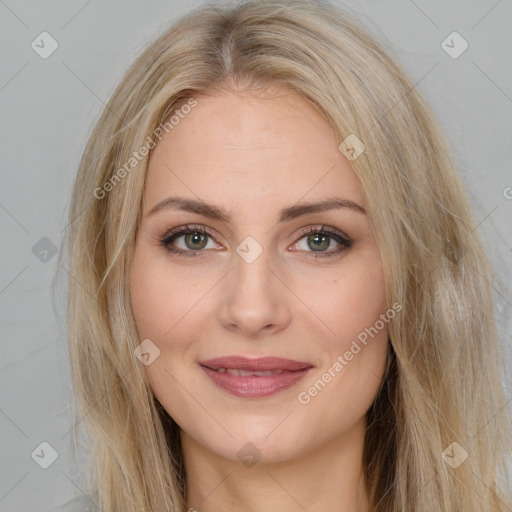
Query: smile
[[254, 378]]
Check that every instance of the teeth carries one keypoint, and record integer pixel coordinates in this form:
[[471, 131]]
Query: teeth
[[246, 373]]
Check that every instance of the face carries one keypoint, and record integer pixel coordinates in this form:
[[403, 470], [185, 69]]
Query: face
[[255, 274]]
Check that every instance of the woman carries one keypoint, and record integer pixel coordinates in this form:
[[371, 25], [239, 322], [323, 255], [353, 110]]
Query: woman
[[279, 301]]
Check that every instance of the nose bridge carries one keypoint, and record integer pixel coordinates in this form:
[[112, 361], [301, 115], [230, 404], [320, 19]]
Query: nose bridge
[[252, 270], [252, 297], [251, 274]]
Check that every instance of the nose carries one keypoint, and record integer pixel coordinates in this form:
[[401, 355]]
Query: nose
[[255, 302]]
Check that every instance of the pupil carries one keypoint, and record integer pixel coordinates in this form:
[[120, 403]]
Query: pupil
[[195, 238], [319, 241]]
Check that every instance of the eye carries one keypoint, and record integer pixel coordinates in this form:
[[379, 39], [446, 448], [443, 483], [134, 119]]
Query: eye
[[188, 240], [319, 240]]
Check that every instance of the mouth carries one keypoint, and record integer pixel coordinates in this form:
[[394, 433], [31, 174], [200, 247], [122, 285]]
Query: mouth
[[254, 378]]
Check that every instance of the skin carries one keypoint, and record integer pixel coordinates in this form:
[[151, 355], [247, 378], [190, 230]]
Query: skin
[[254, 155]]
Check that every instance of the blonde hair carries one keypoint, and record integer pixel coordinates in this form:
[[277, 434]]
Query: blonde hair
[[442, 384]]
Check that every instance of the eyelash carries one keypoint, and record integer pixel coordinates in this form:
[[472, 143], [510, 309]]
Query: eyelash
[[344, 241]]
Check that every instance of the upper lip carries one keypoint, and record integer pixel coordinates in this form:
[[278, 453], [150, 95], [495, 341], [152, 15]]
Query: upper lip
[[255, 364]]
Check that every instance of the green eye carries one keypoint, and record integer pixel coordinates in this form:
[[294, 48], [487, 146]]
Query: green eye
[[196, 240], [323, 242], [319, 242]]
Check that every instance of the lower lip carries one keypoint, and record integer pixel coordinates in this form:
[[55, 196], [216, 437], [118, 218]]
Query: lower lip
[[254, 386]]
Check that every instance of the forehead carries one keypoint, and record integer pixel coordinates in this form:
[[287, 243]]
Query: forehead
[[233, 148]]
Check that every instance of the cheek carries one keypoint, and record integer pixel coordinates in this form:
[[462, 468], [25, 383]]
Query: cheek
[[162, 303], [160, 297], [343, 389], [347, 303]]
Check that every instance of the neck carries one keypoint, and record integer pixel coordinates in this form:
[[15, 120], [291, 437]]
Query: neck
[[328, 478]]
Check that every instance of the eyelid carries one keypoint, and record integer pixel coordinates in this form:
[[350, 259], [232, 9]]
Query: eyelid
[[179, 230], [325, 229]]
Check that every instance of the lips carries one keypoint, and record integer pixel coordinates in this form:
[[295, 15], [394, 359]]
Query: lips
[[254, 378]]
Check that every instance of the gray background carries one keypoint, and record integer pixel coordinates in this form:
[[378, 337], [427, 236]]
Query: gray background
[[48, 107]]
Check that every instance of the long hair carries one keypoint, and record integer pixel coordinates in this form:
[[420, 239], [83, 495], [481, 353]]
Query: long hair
[[441, 399]]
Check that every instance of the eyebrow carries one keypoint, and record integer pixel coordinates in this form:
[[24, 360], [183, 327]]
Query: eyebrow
[[219, 213]]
